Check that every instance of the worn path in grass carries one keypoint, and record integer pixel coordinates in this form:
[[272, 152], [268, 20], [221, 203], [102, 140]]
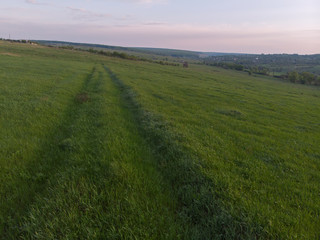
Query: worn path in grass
[[159, 152], [73, 164], [32, 176], [255, 138], [107, 186], [198, 207], [33, 114]]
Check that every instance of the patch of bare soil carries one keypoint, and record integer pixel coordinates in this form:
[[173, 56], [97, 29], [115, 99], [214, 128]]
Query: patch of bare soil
[[82, 98], [10, 54]]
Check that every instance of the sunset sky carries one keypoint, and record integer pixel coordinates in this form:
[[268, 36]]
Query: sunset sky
[[242, 26]]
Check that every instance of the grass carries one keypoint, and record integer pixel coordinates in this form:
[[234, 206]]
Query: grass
[[256, 139], [89, 177], [101, 148]]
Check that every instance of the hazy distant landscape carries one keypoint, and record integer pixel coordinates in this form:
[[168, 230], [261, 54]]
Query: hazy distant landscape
[[303, 69]]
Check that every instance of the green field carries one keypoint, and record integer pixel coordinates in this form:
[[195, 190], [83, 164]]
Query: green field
[[93, 147]]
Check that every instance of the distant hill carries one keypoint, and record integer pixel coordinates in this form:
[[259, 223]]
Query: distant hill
[[88, 45], [165, 52], [173, 52], [277, 64]]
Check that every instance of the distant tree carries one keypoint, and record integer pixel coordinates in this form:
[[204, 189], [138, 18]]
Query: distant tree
[[293, 77], [254, 69], [307, 78], [238, 67]]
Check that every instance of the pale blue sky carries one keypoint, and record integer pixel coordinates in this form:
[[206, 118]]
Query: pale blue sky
[[252, 26]]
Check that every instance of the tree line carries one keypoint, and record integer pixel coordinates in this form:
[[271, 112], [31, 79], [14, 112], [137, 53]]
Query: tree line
[[303, 78], [292, 76], [239, 67], [121, 55]]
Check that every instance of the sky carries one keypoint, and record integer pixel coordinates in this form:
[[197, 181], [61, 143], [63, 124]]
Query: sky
[[237, 26]]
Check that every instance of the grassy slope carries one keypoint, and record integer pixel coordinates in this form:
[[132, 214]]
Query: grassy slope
[[71, 169], [154, 53], [257, 139], [222, 154]]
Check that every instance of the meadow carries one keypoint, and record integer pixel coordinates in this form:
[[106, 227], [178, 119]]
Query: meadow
[[93, 147]]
